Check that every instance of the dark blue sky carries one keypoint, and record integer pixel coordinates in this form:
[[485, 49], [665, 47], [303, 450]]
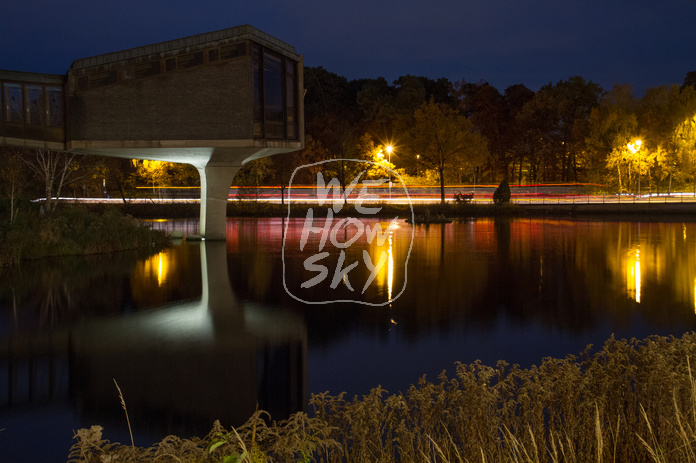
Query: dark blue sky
[[533, 42]]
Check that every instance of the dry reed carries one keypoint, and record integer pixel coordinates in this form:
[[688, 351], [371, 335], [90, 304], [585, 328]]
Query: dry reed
[[631, 401]]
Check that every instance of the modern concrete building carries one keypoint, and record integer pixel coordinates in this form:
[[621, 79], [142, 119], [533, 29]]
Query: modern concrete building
[[215, 100]]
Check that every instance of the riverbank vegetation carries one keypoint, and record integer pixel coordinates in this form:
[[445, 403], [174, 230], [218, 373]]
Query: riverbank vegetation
[[71, 230], [627, 401]]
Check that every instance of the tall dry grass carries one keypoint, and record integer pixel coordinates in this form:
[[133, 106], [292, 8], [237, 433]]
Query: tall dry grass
[[630, 401]]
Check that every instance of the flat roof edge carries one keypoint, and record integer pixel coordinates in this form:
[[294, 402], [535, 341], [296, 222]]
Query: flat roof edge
[[245, 31], [32, 77]]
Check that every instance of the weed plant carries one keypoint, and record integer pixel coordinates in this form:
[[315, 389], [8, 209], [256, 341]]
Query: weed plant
[[631, 401]]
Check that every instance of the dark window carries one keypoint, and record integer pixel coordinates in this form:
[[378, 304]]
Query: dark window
[[274, 115], [170, 64], [54, 108], [13, 103], [102, 78], [83, 82], [190, 60], [275, 95], [127, 73], [233, 51], [258, 89], [291, 99], [213, 55], [147, 69], [35, 104]]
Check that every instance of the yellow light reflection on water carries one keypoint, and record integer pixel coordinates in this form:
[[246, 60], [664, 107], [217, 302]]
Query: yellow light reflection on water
[[162, 268], [390, 269], [633, 279]]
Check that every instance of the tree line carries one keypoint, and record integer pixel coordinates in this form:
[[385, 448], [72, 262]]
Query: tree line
[[463, 132], [437, 132]]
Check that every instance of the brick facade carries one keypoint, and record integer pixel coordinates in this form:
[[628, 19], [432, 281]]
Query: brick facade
[[211, 102]]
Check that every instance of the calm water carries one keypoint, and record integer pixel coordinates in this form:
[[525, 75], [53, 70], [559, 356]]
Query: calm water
[[204, 331]]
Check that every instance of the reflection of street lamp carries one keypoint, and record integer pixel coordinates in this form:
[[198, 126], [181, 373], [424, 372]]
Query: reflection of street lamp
[[635, 148], [389, 151]]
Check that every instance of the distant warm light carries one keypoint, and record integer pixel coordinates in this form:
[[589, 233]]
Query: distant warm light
[[694, 295], [635, 147], [389, 149]]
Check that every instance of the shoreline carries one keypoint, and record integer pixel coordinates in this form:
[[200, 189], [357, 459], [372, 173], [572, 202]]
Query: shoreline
[[614, 211]]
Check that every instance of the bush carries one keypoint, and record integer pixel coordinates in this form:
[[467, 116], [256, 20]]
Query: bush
[[74, 231], [502, 193]]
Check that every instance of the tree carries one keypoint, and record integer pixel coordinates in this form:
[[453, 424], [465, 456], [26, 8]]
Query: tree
[[502, 194], [161, 173], [444, 139], [664, 115], [54, 168], [689, 80], [555, 124], [612, 126], [11, 174]]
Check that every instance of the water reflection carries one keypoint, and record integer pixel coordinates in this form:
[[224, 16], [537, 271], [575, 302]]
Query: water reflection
[[213, 358], [180, 366], [569, 275], [206, 330]]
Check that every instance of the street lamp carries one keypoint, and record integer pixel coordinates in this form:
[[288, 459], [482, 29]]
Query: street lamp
[[635, 148], [389, 151]]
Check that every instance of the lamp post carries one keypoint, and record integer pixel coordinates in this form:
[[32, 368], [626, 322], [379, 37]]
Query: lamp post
[[635, 148], [389, 151]]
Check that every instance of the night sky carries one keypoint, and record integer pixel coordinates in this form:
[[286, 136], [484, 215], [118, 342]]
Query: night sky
[[644, 43]]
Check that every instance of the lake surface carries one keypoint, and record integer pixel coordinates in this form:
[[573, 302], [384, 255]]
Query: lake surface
[[207, 330]]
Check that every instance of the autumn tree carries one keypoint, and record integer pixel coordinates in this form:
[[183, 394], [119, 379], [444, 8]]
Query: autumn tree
[[612, 126], [444, 139], [159, 174]]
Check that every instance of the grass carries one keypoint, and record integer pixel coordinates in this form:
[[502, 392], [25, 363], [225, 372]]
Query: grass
[[73, 230], [630, 401]]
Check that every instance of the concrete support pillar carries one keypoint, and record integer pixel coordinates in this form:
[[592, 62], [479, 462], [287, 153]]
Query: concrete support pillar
[[215, 189], [217, 296]]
